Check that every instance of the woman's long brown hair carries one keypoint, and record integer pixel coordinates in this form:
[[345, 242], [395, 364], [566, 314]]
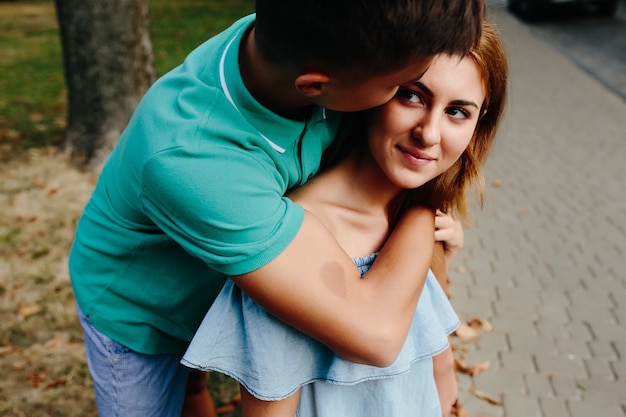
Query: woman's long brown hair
[[449, 190]]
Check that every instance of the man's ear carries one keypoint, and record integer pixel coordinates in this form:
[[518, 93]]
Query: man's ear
[[312, 84]]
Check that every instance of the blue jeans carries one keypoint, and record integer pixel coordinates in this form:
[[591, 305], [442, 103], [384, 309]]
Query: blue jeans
[[132, 384]]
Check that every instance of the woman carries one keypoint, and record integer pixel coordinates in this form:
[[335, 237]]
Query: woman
[[420, 151]]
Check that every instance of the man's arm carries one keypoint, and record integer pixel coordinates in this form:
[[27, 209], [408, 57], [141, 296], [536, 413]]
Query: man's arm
[[314, 286]]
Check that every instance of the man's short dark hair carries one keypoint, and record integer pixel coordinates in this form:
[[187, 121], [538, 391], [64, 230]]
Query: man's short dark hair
[[372, 36]]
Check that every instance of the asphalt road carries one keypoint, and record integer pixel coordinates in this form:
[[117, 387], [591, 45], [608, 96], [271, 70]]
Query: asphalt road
[[596, 44]]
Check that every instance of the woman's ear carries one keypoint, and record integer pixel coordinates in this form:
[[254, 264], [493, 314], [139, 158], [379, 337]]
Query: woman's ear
[[312, 84]]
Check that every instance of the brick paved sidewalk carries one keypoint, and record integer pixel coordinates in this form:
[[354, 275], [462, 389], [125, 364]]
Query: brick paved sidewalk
[[546, 264]]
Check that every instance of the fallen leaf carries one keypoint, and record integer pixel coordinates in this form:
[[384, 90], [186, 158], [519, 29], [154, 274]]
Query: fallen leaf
[[5, 349], [460, 365], [35, 379], [56, 342], [478, 393], [483, 325], [467, 333], [59, 382], [458, 410], [479, 368], [28, 310]]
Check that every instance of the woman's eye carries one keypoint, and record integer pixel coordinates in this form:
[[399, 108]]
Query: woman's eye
[[410, 96], [459, 113]]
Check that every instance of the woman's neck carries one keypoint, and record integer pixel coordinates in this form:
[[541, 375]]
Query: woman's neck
[[352, 200]]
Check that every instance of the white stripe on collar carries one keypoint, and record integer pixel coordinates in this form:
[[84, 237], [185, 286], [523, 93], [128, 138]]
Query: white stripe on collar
[[229, 97]]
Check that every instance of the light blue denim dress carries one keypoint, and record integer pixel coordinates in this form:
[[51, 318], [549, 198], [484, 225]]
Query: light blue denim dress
[[272, 360]]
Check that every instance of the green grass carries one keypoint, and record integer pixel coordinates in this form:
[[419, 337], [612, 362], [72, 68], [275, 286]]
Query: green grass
[[32, 85], [33, 94]]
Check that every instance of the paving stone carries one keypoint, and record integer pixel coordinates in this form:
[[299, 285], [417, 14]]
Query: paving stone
[[481, 356], [521, 312], [521, 406], [518, 362], [541, 343], [579, 331], [554, 407], [566, 387], [494, 342], [547, 326], [604, 392], [553, 312], [536, 285], [471, 307], [465, 382], [483, 290], [477, 267], [555, 298], [560, 365], [584, 298], [539, 385], [606, 330], [620, 314], [513, 323], [478, 407], [572, 349], [600, 369], [496, 383], [620, 347], [602, 349], [602, 314], [619, 367], [584, 409], [458, 290], [617, 288]]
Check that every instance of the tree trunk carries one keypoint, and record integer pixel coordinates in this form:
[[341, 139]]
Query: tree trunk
[[109, 65]]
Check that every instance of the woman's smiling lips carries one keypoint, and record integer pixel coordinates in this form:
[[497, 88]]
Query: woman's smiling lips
[[415, 157]]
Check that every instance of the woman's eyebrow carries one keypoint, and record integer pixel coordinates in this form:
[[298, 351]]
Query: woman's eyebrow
[[430, 94], [464, 103], [425, 89]]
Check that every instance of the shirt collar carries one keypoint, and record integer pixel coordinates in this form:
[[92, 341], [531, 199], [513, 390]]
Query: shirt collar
[[280, 132]]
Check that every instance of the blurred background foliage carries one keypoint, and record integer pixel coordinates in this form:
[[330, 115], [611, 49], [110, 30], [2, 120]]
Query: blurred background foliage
[[32, 85]]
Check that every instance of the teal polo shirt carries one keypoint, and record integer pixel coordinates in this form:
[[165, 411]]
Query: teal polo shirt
[[193, 191]]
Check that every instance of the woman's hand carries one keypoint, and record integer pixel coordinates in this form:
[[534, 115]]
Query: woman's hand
[[449, 231]]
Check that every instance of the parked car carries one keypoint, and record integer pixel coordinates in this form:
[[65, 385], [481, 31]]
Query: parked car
[[533, 9]]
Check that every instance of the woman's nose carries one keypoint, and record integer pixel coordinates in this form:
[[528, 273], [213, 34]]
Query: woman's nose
[[427, 130]]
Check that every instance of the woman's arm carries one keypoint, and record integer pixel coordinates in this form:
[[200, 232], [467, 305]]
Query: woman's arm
[[314, 286]]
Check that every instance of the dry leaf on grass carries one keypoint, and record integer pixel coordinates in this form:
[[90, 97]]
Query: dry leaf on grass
[[59, 382], [36, 379], [28, 310], [5, 350]]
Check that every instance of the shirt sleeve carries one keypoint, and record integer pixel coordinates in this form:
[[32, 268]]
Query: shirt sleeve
[[226, 208]]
